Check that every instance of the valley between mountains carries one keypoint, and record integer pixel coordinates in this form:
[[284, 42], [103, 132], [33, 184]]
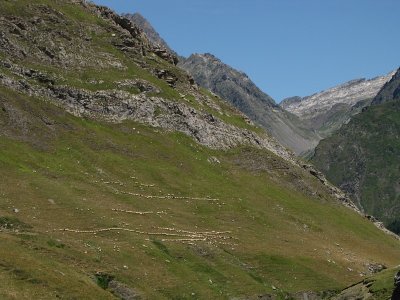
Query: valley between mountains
[[129, 172]]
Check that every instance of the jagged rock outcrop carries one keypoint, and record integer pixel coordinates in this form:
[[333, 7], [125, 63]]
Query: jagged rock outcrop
[[336, 192], [59, 47], [150, 32], [237, 88], [117, 105], [125, 22]]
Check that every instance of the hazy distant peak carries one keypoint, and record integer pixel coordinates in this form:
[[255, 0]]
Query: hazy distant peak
[[206, 57], [149, 30]]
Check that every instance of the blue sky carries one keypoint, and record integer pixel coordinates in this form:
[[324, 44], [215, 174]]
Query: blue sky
[[287, 47]]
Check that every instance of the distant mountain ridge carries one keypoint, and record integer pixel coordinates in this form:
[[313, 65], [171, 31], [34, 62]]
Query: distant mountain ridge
[[298, 123], [349, 93], [237, 88], [326, 111]]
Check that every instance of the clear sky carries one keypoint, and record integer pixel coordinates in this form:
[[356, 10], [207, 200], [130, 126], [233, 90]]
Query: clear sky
[[287, 47]]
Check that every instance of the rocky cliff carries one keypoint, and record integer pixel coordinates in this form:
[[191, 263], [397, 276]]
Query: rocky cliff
[[149, 30], [147, 98], [237, 88]]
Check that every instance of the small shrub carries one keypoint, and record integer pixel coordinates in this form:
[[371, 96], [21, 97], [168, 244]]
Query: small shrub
[[12, 223], [54, 243], [103, 279]]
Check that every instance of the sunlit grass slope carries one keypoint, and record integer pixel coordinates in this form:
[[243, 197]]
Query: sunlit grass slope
[[177, 224]]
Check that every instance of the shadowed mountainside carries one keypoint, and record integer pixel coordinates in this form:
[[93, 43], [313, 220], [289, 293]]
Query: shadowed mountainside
[[363, 156]]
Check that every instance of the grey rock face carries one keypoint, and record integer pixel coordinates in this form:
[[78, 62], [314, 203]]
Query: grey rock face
[[336, 192], [149, 30], [122, 291], [52, 39], [237, 88], [213, 74], [117, 105], [127, 23]]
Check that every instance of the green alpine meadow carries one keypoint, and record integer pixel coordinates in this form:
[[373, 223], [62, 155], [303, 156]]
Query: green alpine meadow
[[130, 172]]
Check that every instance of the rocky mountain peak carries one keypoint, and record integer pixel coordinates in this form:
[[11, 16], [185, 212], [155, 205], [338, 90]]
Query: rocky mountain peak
[[348, 93], [236, 87], [209, 71], [150, 32]]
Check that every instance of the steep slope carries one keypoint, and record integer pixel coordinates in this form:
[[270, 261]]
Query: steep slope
[[236, 87], [363, 156], [113, 72], [327, 111], [138, 211], [390, 92], [148, 29], [120, 179]]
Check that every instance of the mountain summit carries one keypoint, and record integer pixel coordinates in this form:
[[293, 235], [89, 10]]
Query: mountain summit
[[149, 30], [237, 88]]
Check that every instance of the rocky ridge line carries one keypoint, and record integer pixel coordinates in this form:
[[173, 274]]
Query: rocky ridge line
[[348, 93], [117, 105], [150, 32]]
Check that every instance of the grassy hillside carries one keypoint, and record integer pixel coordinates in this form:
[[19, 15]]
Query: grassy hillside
[[91, 209], [363, 158], [53, 44], [245, 226]]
